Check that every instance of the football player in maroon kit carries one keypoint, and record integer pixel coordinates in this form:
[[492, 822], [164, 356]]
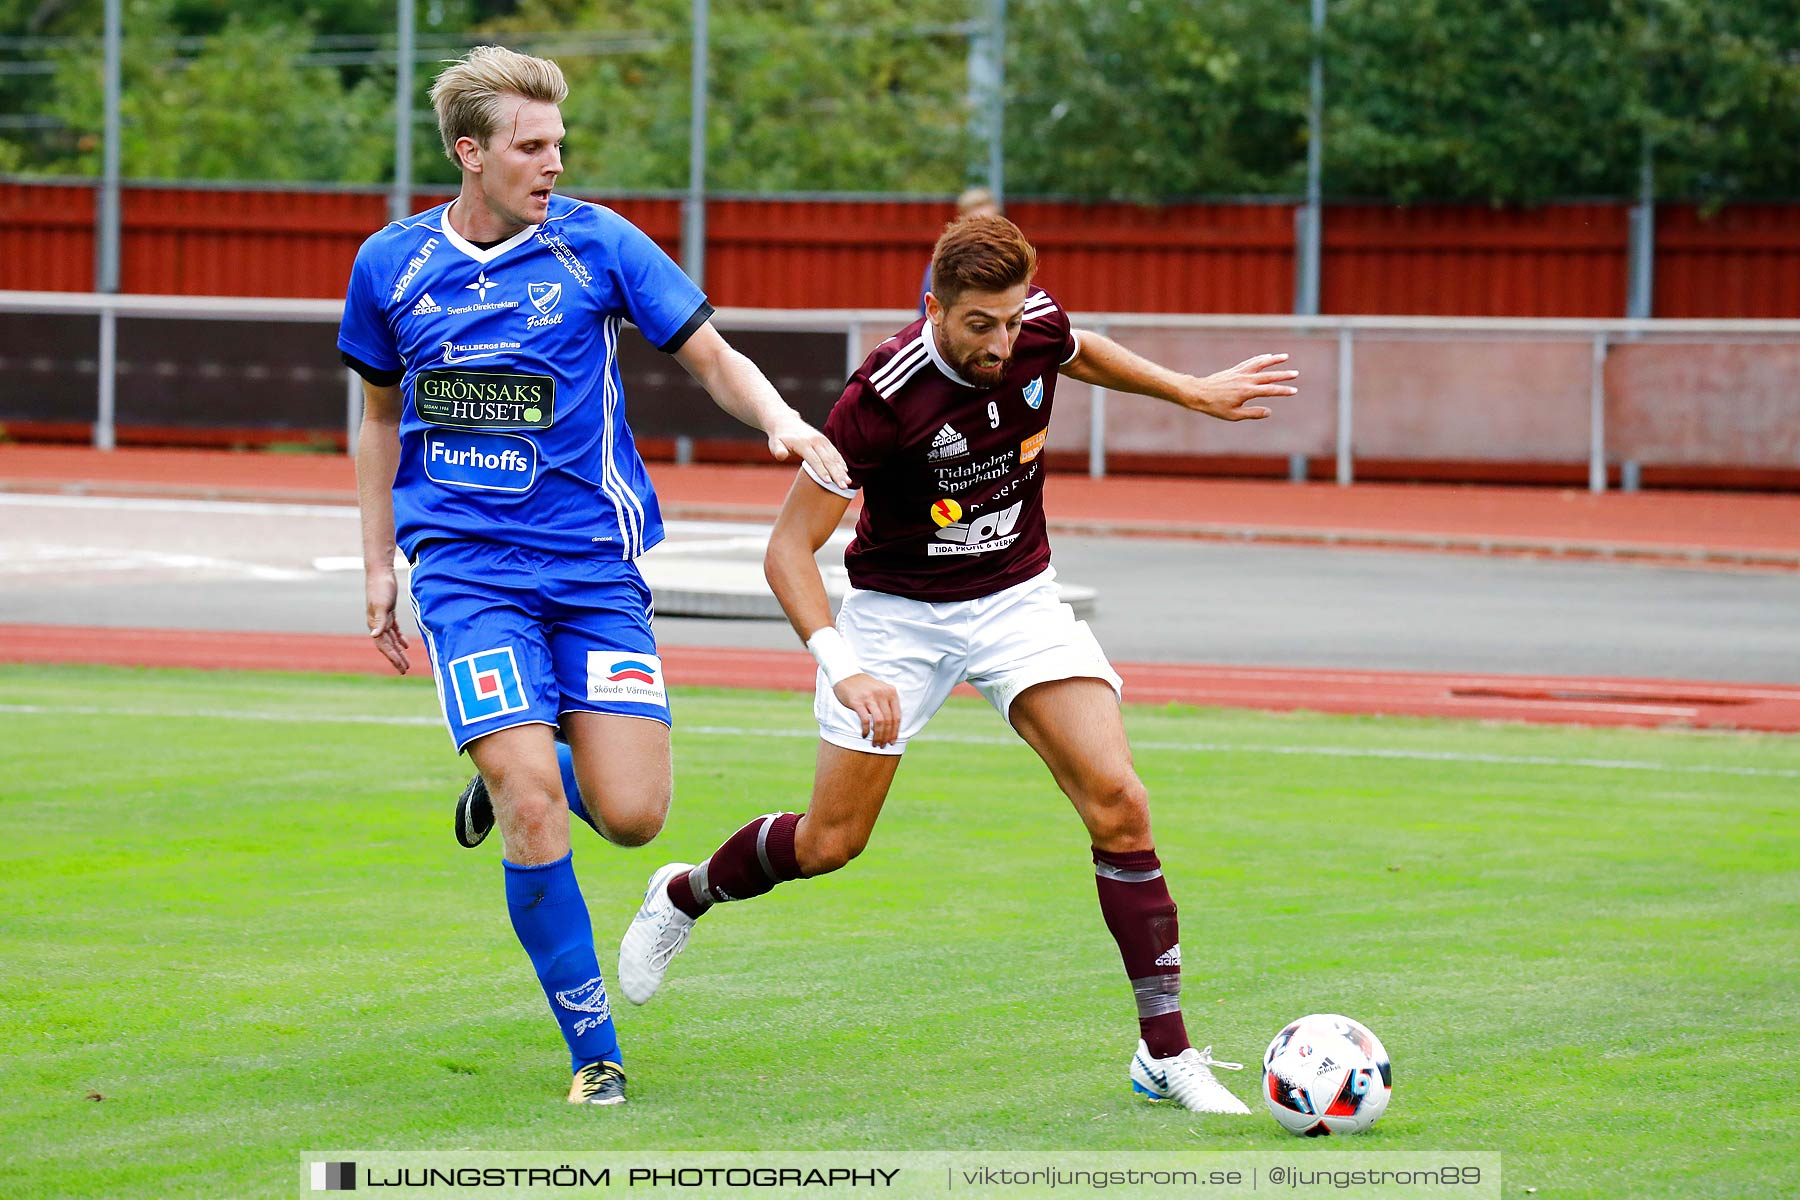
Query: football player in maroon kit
[[943, 428]]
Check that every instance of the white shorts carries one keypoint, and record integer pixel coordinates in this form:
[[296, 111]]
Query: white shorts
[[1003, 644]]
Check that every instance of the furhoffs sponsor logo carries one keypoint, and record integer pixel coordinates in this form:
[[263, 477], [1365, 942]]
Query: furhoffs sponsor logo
[[493, 462]]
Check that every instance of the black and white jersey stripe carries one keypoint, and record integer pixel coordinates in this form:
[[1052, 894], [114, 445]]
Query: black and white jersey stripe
[[890, 378]]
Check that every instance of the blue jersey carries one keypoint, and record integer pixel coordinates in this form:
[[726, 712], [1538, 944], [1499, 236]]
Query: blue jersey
[[513, 421]]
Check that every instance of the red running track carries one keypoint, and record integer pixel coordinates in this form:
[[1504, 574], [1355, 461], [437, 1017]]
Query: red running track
[[1637, 702]]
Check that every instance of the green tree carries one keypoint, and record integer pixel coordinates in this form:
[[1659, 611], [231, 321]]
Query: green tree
[[831, 95], [282, 90], [1526, 100], [1720, 95], [1503, 101], [1147, 101], [240, 108]]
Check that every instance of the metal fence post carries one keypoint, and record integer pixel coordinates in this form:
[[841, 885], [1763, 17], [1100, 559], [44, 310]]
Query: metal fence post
[[1640, 288], [107, 267], [853, 355], [105, 425], [1097, 426], [106, 419], [1597, 417], [997, 121], [693, 208], [400, 199], [1346, 403], [1309, 220]]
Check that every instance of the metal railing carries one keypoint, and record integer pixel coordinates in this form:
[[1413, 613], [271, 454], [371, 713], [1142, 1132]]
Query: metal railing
[[860, 327]]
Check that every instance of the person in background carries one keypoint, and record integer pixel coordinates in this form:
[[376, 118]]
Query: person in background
[[974, 202]]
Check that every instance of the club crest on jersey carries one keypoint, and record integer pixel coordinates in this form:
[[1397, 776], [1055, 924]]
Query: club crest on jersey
[[543, 298], [947, 444], [625, 676], [1034, 393], [487, 685]]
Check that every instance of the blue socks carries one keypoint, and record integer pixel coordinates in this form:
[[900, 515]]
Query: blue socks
[[565, 762], [551, 920]]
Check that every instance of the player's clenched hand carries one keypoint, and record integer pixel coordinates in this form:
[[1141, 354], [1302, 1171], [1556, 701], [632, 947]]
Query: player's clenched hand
[[379, 592], [876, 705], [792, 436], [1227, 394]]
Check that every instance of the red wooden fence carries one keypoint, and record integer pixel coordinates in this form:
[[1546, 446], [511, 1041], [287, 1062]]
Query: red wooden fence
[[1558, 260], [1563, 260]]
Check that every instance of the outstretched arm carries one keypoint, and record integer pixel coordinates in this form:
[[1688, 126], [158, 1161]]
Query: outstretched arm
[[807, 521], [1225, 394], [377, 459], [741, 389]]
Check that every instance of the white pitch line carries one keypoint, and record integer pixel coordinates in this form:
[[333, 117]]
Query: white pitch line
[[50, 559], [255, 508], [146, 504], [83, 710], [1437, 756]]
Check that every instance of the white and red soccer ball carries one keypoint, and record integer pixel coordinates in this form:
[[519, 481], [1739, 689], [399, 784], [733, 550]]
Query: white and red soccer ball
[[1326, 1074]]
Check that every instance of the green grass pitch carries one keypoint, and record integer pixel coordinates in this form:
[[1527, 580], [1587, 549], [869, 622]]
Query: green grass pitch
[[236, 927]]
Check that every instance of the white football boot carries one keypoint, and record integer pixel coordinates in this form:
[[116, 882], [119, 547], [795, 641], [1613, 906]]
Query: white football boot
[[1186, 1079], [657, 935]]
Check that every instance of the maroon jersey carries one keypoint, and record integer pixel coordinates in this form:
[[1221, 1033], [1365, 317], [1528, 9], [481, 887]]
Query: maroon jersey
[[952, 474]]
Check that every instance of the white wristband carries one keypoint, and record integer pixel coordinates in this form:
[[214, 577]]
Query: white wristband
[[834, 656]]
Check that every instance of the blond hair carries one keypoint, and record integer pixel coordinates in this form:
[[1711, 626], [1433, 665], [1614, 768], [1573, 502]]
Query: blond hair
[[469, 95]]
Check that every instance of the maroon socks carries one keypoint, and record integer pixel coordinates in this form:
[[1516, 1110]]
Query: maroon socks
[[1140, 915], [1134, 899], [752, 861]]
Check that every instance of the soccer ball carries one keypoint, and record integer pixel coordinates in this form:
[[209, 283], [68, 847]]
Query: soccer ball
[[1326, 1074]]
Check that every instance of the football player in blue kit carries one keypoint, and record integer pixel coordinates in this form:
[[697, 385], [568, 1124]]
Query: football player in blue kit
[[495, 454]]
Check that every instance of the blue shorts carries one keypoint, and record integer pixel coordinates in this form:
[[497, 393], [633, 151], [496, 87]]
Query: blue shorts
[[519, 637]]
